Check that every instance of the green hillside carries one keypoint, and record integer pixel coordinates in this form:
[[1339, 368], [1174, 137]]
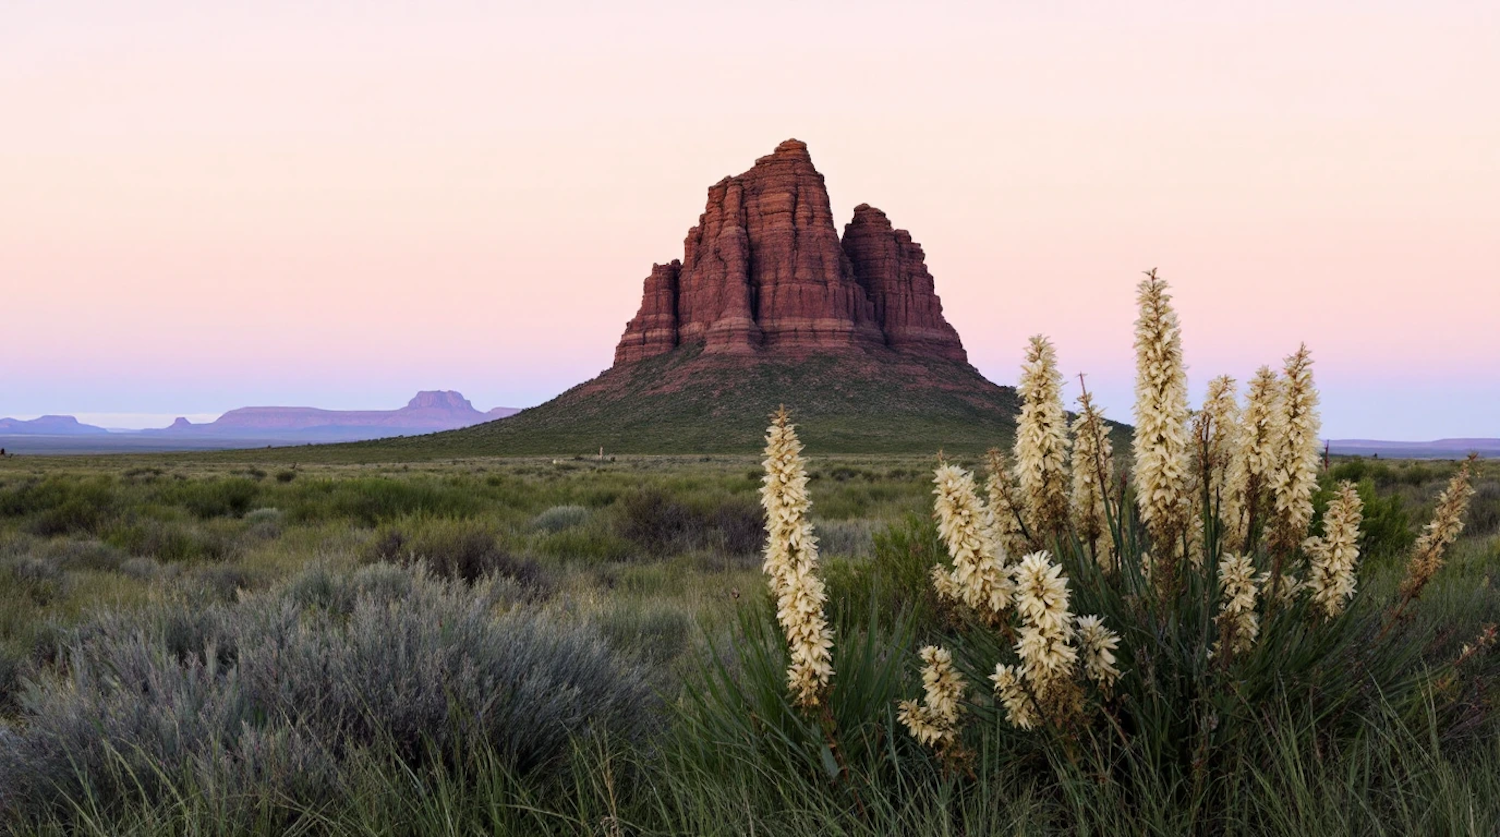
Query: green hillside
[[688, 402]]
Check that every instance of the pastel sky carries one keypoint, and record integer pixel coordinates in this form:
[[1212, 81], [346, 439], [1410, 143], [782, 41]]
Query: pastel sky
[[208, 205]]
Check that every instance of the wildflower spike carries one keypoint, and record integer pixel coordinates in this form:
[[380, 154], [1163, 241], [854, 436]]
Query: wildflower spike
[[791, 563], [1161, 412], [1041, 446]]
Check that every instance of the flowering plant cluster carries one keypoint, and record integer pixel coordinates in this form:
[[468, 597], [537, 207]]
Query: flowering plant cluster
[[1146, 596], [1218, 504]]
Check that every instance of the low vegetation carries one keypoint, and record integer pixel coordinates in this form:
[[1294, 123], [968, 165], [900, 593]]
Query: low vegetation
[[1231, 639]]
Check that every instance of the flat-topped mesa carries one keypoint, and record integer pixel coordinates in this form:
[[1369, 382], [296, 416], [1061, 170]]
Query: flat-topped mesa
[[439, 399], [764, 270], [892, 269]]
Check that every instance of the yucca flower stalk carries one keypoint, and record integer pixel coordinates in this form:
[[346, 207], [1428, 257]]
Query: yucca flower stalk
[[1041, 446], [1218, 440], [1045, 645], [935, 721], [1020, 709], [1334, 554], [791, 563], [979, 578], [1439, 534], [1098, 644], [1260, 433], [1161, 446], [1093, 470], [1239, 625], [1005, 506], [1294, 477]]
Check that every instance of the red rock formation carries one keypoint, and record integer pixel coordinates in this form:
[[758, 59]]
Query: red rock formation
[[764, 271], [893, 271], [654, 329]]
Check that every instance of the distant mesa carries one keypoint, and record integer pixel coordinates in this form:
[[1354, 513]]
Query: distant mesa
[[427, 412], [765, 272], [48, 426]]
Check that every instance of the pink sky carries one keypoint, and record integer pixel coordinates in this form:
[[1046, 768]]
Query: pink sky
[[207, 205]]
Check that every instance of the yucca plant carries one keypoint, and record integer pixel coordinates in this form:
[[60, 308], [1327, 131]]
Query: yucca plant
[[1209, 599], [1151, 629]]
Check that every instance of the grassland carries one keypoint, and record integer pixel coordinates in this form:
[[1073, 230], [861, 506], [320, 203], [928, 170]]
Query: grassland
[[649, 567]]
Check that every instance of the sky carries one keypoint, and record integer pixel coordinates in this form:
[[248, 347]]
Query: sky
[[211, 205]]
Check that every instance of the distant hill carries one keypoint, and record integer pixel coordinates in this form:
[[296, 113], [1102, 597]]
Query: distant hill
[[48, 426], [427, 412], [250, 427], [1438, 449]]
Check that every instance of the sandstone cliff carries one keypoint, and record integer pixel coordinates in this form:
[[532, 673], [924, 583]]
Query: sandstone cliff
[[764, 272]]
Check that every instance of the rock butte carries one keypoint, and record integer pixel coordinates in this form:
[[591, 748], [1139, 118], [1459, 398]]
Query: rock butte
[[765, 272]]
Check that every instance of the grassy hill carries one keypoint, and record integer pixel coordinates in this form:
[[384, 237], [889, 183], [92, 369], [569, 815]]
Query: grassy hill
[[688, 402]]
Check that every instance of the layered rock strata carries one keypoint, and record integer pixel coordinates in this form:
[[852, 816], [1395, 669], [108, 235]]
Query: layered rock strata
[[892, 270], [764, 271]]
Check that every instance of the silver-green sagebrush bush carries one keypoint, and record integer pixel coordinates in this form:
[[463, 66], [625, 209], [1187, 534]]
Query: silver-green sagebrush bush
[[272, 700]]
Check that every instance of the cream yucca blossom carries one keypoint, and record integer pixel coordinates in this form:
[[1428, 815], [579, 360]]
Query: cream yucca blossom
[[1161, 413], [1294, 475], [979, 576], [1005, 507], [1041, 447], [1237, 618], [1098, 644], [934, 721], [944, 586], [1093, 471], [1020, 709], [792, 564], [1260, 433], [1218, 448], [1333, 555], [1045, 648], [1446, 525]]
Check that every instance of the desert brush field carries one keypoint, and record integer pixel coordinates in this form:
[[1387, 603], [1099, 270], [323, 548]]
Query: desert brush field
[[1235, 638]]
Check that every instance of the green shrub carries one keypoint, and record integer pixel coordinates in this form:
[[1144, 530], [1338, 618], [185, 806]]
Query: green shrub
[[592, 544], [173, 542], [1386, 528], [896, 579], [226, 497], [60, 505], [662, 525], [371, 501], [459, 550], [87, 554]]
